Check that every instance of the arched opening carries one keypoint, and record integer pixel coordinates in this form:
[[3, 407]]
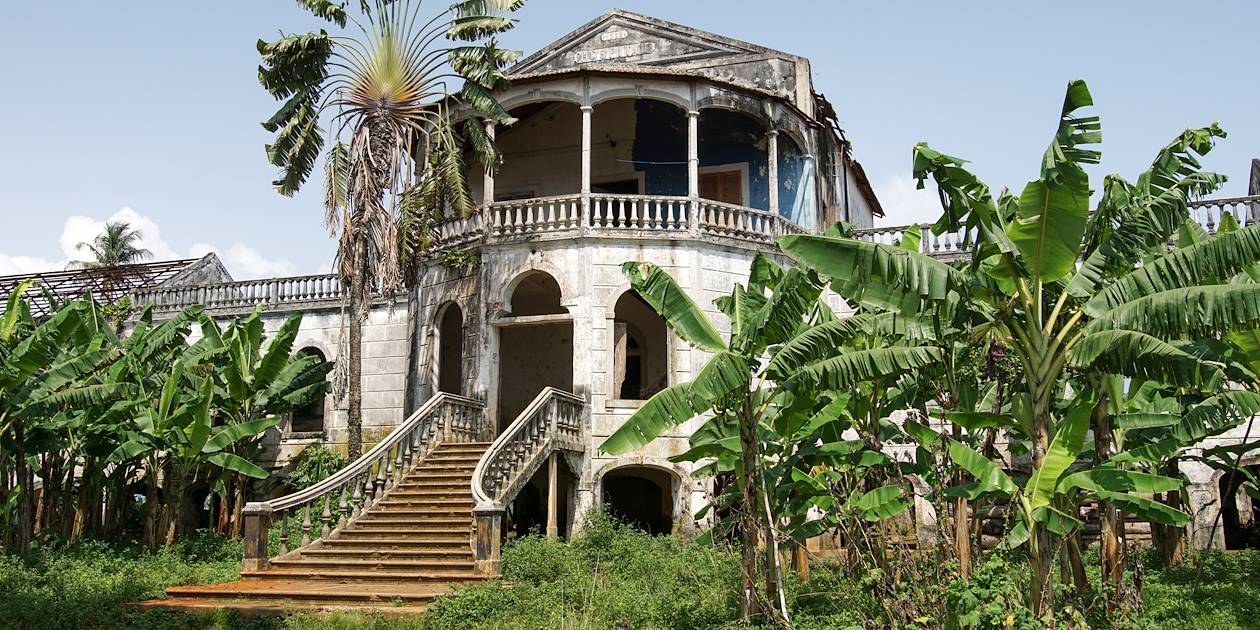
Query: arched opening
[[541, 153], [536, 294], [638, 147], [451, 350], [640, 349], [535, 345], [734, 162], [528, 512], [1240, 514], [641, 496], [309, 419]]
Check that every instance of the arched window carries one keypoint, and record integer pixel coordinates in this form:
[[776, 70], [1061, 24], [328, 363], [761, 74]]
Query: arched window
[[309, 419], [451, 350], [640, 349]]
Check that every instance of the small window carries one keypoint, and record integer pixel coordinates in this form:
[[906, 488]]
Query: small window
[[724, 186]]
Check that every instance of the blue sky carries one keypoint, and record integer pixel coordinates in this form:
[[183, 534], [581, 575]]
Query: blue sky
[[149, 109]]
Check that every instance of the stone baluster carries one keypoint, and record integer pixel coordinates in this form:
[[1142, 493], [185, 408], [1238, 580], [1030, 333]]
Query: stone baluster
[[306, 524], [326, 517], [284, 533]]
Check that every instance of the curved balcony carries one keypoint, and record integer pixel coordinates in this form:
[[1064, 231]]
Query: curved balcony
[[612, 215]]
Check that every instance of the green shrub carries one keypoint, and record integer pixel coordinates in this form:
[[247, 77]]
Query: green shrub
[[313, 465], [610, 576], [992, 599]]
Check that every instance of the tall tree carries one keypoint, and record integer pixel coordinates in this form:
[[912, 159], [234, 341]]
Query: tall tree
[[395, 163], [117, 245]]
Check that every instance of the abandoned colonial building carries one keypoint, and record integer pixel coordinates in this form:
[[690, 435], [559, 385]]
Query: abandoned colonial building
[[489, 386]]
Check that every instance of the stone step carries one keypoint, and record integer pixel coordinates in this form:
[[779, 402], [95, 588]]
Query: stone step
[[448, 574], [455, 483], [428, 541], [452, 551], [274, 592], [413, 532], [427, 498], [454, 459], [338, 564]]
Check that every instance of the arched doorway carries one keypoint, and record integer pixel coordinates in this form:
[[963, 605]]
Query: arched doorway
[[535, 345], [309, 419], [640, 349], [641, 496], [450, 351]]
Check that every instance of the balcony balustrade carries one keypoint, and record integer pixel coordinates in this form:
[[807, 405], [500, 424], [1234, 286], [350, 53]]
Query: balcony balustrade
[[1207, 212]]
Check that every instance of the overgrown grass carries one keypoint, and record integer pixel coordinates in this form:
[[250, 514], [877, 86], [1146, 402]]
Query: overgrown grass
[[611, 577]]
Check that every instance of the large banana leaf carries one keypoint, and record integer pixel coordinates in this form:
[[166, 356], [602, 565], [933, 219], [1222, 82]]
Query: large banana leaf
[[814, 344], [903, 277], [674, 305], [1145, 508], [1118, 480], [721, 376], [850, 368], [1200, 311], [1054, 209], [1139, 355], [1212, 261], [986, 473], [881, 503], [230, 434], [236, 464]]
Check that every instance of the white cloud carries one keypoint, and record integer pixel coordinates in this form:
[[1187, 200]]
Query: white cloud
[[242, 261], [11, 265], [904, 204]]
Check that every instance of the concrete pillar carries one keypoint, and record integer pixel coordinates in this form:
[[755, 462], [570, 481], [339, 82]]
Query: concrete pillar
[[586, 149], [487, 183], [693, 154], [488, 524], [553, 529], [772, 159], [255, 526]]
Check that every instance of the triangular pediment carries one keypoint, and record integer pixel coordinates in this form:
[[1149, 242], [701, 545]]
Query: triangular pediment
[[620, 38]]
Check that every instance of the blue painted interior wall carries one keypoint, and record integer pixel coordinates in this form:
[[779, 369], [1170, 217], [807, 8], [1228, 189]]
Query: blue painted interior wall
[[726, 137]]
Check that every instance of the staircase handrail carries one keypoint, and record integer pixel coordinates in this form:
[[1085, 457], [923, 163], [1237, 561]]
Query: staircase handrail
[[349, 492], [516, 436]]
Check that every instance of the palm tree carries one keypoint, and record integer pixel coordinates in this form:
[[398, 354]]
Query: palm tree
[[395, 164], [117, 245]]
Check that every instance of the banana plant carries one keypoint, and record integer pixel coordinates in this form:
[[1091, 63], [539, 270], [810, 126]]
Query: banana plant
[[1107, 314], [772, 345], [175, 433], [254, 377]]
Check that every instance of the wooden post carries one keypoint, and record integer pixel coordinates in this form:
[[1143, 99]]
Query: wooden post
[[256, 524], [553, 529], [488, 520]]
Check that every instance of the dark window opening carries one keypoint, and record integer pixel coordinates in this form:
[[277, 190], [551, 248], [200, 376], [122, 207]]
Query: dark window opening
[[640, 349], [451, 350], [309, 419], [641, 497]]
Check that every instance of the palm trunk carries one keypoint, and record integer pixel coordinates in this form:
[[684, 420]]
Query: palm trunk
[[1170, 540], [1042, 551], [22, 542], [354, 422]]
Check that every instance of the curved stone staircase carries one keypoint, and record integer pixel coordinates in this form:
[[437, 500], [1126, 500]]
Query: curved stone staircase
[[401, 552]]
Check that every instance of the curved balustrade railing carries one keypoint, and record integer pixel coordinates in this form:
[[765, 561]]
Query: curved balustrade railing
[[738, 222], [332, 503], [553, 421], [613, 215], [1208, 212]]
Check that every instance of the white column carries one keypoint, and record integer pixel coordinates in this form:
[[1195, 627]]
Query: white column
[[693, 154], [553, 527], [487, 182], [772, 148], [586, 149]]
